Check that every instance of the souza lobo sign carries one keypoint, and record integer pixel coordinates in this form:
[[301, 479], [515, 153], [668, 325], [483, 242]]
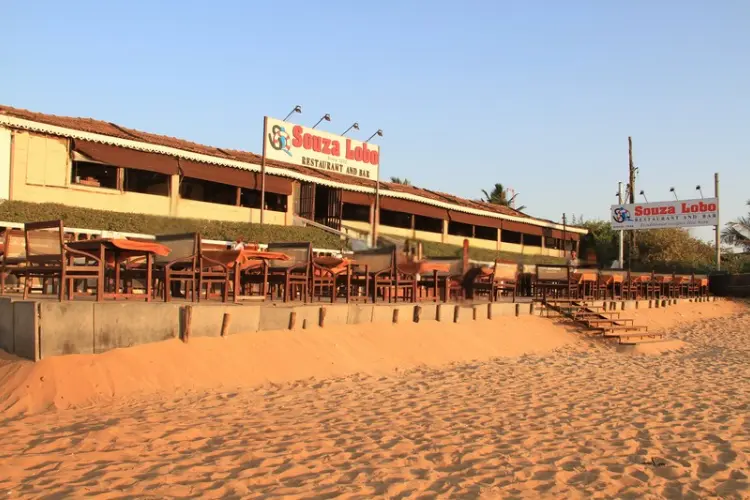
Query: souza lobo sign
[[665, 214], [290, 143]]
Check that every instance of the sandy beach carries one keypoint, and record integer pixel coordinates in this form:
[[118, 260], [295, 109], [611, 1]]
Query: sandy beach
[[518, 407]]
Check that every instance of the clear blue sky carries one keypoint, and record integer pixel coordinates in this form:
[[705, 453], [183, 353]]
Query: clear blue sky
[[540, 96]]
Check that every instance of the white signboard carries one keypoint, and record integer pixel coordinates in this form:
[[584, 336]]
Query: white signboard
[[290, 143], [665, 214]]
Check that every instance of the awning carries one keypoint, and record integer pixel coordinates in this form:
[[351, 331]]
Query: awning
[[476, 220], [520, 227], [234, 177], [356, 198], [126, 158], [411, 207]]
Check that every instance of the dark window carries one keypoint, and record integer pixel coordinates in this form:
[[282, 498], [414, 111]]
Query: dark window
[[276, 202], [429, 224], [250, 198], [485, 233], [210, 192], [143, 181], [510, 237], [395, 219], [532, 240], [460, 229], [94, 175], [354, 212], [553, 243]]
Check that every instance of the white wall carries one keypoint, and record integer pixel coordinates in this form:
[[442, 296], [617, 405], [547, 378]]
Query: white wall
[[4, 163]]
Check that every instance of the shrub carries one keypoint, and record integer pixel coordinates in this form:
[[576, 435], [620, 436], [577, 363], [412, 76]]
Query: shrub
[[432, 249], [84, 218]]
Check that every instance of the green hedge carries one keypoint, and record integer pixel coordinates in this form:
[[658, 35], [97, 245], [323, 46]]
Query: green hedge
[[432, 249], [84, 218]]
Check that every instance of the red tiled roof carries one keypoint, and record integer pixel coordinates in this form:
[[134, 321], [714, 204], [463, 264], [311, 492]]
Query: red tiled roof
[[110, 129]]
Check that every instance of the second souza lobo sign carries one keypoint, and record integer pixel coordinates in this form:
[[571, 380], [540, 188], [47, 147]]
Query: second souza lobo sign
[[290, 143], [665, 214]]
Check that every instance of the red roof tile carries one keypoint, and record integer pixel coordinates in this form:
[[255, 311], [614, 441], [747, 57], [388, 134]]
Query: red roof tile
[[110, 129]]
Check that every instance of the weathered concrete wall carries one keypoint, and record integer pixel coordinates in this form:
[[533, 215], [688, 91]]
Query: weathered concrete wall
[[128, 324], [359, 313], [25, 330], [35, 330], [66, 328], [207, 320], [6, 325]]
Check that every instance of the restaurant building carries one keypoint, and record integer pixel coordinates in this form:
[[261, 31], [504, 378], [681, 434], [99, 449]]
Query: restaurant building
[[99, 165]]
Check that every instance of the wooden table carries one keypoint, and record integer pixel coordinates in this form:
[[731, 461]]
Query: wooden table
[[115, 252], [243, 260]]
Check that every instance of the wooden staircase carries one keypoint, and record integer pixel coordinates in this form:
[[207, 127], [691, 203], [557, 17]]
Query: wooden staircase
[[608, 324]]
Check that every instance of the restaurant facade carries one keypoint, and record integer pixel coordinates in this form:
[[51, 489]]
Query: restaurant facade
[[310, 176]]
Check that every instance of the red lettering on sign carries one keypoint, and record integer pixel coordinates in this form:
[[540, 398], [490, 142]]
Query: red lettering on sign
[[698, 207]]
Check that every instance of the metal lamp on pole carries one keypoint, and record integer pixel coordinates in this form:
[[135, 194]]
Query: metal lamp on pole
[[325, 117], [354, 126], [376, 217]]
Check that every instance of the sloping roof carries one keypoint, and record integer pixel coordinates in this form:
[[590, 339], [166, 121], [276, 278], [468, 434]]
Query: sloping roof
[[221, 156]]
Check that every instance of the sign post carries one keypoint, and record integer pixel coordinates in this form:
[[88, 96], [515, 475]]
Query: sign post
[[718, 227], [621, 247], [263, 172], [376, 215]]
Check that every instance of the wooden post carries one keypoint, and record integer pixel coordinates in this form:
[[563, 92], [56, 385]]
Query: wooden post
[[531, 309], [322, 320], [456, 312], [489, 311], [518, 309], [395, 315], [304, 324], [225, 324], [188, 320], [417, 313], [292, 320]]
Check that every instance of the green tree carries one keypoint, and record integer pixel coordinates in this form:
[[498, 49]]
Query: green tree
[[738, 232], [499, 196], [399, 180], [661, 250]]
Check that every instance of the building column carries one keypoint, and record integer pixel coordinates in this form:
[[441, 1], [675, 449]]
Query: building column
[[174, 194], [443, 237], [499, 239]]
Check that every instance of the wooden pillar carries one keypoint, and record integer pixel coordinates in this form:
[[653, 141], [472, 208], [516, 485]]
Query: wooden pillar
[[174, 194]]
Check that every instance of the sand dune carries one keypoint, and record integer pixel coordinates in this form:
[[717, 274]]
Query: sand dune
[[571, 418]]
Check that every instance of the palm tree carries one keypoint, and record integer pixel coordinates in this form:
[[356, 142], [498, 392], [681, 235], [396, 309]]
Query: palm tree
[[499, 196], [738, 232], [399, 180]]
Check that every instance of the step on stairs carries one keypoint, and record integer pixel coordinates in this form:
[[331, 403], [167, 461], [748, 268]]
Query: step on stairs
[[605, 323]]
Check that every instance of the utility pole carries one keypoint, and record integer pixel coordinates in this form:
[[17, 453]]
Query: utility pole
[[621, 248], [718, 226], [631, 176]]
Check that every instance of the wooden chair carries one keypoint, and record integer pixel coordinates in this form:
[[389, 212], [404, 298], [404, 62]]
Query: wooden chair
[[555, 281], [180, 266], [699, 285], [325, 279], [612, 284], [50, 259], [504, 279], [13, 258], [212, 272], [373, 273], [448, 284], [287, 277]]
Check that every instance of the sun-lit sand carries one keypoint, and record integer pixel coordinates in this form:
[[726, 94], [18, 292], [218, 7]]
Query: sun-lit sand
[[518, 407]]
